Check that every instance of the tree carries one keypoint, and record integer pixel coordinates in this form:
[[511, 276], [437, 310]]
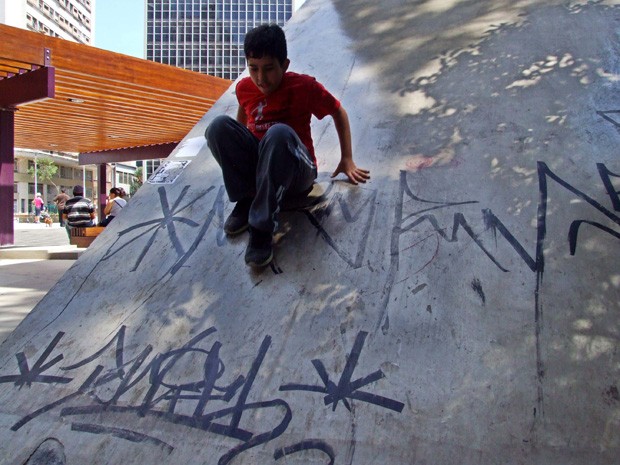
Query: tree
[[46, 170], [136, 182]]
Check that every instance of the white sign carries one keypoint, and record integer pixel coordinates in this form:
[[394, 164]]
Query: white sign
[[190, 147], [168, 172]]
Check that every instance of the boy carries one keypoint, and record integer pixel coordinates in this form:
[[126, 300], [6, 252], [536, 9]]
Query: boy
[[267, 152]]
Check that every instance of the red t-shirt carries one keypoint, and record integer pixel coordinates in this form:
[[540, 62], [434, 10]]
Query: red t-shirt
[[293, 103]]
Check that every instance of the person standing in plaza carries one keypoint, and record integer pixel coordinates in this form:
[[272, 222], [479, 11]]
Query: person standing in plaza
[[60, 200], [38, 206]]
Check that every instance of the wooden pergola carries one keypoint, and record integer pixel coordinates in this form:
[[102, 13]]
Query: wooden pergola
[[63, 96]]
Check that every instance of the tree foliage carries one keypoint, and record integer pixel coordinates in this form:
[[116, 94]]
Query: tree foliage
[[136, 182], [46, 170]]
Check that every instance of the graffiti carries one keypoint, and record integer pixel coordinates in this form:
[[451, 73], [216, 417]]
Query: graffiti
[[217, 405], [28, 375], [401, 227], [347, 389], [121, 433], [316, 213], [318, 216], [476, 285], [306, 445], [217, 211], [605, 115], [166, 222], [171, 215], [220, 404], [536, 263], [50, 451]]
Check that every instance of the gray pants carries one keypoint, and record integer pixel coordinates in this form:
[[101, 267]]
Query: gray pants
[[264, 170]]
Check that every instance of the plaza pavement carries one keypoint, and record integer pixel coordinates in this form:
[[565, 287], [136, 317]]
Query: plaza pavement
[[29, 268]]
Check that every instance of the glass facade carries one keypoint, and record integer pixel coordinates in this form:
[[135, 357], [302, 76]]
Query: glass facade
[[207, 35]]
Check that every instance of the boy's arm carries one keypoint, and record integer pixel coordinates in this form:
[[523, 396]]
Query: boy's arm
[[347, 165], [241, 116]]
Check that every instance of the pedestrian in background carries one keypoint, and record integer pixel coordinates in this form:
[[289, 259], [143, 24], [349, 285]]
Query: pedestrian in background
[[38, 206], [79, 211], [114, 206], [60, 200]]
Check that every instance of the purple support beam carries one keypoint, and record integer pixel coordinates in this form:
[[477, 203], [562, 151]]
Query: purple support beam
[[7, 139], [103, 189], [28, 87], [16, 90]]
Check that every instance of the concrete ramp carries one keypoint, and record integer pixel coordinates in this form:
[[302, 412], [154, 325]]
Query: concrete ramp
[[462, 307]]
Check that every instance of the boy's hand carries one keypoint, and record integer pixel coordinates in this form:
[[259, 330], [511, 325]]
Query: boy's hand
[[352, 172]]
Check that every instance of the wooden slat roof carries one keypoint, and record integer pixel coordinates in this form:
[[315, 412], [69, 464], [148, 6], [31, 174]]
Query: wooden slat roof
[[122, 101]]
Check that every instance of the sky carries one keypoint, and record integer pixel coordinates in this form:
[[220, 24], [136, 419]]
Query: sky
[[119, 26]]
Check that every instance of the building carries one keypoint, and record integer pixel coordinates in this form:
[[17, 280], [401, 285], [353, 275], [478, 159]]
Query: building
[[207, 35], [148, 167], [68, 175], [68, 19]]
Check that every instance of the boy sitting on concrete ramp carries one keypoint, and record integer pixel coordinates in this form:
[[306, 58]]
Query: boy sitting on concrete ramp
[[267, 152]]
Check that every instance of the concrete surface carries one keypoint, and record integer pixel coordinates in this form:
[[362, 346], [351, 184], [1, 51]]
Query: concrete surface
[[29, 269], [38, 235], [462, 307], [23, 283], [38, 241]]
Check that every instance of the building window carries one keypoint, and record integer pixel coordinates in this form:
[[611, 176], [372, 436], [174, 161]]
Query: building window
[[66, 172], [207, 36]]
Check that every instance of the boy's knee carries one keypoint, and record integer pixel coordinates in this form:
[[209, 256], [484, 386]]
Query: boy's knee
[[279, 131], [277, 137], [217, 126]]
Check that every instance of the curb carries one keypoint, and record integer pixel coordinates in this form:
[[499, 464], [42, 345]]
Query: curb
[[41, 253]]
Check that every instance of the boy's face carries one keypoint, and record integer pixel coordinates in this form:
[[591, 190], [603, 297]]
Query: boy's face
[[267, 72]]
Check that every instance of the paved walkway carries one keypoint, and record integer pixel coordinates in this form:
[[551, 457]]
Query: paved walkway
[[39, 235], [29, 269]]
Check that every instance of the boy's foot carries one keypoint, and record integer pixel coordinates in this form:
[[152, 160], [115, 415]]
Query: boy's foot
[[259, 252], [237, 221]]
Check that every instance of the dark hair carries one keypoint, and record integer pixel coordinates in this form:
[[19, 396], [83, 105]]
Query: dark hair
[[78, 190], [267, 39], [116, 191]]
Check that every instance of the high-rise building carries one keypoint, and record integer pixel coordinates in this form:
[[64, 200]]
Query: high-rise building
[[207, 35], [68, 19], [72, 20]]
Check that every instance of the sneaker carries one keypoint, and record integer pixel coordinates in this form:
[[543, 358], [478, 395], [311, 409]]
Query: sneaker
[[237, 221], [259, 252]]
